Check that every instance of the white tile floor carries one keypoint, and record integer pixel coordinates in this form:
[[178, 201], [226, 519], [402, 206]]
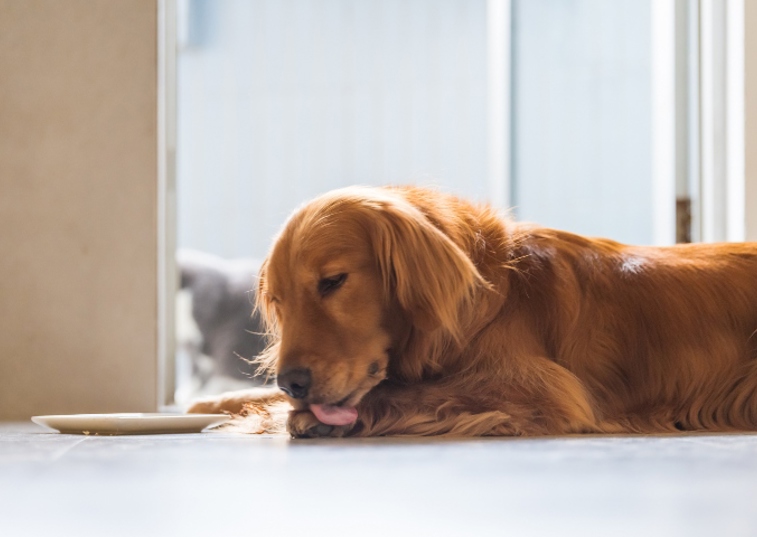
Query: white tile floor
[[225, 484]]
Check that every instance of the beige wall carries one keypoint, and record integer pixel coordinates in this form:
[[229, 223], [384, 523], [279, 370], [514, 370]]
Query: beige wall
[[78, 150], [750, 113]]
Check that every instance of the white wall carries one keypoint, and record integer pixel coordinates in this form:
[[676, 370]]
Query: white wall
[[750, 112], [281, 101], [582, 109]]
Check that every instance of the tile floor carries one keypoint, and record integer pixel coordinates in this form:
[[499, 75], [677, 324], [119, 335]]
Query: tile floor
[[225, 484]]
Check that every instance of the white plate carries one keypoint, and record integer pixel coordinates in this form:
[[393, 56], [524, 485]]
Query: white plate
[[130, 423]]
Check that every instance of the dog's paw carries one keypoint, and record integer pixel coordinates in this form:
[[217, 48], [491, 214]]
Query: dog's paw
[[303, 424]]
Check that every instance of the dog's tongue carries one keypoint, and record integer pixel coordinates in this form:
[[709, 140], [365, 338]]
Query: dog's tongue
[[334, 415]]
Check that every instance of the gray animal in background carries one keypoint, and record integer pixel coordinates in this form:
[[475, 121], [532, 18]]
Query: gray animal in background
[[223, 298]]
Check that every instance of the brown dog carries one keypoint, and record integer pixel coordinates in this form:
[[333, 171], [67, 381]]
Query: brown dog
[[405, 311]]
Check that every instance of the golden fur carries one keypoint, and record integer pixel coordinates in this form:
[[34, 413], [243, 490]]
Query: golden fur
[[453, 320]]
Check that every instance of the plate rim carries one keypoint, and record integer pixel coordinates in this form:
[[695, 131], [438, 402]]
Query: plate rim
[[129, 415], [109, 423]]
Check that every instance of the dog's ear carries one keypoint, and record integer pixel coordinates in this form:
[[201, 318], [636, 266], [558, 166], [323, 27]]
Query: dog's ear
[[428, 273], [262, 300], [267, 359]]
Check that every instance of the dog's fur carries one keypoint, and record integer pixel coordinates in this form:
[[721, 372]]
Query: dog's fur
[[455, 321]]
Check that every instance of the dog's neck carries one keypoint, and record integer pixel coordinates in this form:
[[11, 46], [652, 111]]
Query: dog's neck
[[419, 355]]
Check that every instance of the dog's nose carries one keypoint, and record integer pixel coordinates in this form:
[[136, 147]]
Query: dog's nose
[[295, 382]]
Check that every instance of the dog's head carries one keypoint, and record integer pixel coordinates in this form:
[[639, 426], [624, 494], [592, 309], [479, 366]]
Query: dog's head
[[352, 275]]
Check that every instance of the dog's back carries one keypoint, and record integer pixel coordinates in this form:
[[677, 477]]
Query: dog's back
[[646, 328]]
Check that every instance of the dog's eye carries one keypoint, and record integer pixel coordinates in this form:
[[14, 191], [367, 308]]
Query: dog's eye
[[328, 285]]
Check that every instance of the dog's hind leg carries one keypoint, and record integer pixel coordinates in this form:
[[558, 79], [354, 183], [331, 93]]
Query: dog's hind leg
[[735, 408]]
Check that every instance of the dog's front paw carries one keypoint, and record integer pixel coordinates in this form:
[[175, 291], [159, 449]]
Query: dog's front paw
[[236, 401], [303, 424], [210, 405]]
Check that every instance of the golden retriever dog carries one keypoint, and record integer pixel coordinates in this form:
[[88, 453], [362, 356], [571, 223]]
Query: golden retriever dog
[[406, 311]]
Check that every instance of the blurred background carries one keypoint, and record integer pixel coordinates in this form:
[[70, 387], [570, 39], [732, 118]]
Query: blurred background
[[281, 101], [151, 149], [577, 114]]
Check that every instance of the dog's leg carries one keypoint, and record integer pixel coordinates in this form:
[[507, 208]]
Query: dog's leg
[[236, 401], [424, 410], [256, 411], [454, 408], [437, 410], [732, 407]]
